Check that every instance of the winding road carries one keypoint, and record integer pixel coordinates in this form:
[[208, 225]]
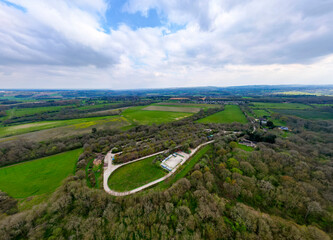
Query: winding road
[[111, 168]]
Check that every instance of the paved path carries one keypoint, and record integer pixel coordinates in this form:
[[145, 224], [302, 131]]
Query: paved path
[[111, 168]]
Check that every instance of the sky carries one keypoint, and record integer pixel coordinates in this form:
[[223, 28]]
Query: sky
[[129, 44]]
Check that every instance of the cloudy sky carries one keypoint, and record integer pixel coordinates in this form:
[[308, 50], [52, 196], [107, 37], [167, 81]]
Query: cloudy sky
[[125, 44]]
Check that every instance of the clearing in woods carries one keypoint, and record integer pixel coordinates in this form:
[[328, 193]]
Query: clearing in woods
[[135, 174]]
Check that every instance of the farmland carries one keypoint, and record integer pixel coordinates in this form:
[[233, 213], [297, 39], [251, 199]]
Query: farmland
[[19, 112], [307, 114], [172, 109], [261, 112], [136, 174], [280, 105], [136, 115], [189, 105], [74, 123], [230, 114], [38, 176]]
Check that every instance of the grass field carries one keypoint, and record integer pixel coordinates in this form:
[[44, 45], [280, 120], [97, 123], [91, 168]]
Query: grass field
[[71, 130], [138, 116], [307, 114], [280, 105], [135, 174], [230, 114], [261, 112], [189, 105], [38, 176], [172, 109], [130, 117], [19, 112], [184, 169], [37, 126], [96, 106]]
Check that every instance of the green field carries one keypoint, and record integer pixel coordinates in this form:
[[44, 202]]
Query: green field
[[230, 114], [76, 123], [38, 176], [96, 106], [135, 174], [189, 105], [280, 105], [19, 112], [138, 116], [172, 109], [261, 112], [307, 114], [130, 117]]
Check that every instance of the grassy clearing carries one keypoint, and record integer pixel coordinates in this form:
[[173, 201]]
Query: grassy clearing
[[38, 176], [230, 114], [37, 126], [138, 116], [245, 148], [184, 169], [172, 109], [135, 174], [280, 105]]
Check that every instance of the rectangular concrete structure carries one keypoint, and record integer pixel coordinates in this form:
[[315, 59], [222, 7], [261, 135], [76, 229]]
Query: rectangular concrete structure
[[173, 160]]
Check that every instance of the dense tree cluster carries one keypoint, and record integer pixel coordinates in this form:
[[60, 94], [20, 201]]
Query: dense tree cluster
[[190, 209]]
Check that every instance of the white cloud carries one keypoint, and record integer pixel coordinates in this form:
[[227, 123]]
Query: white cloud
[[231, 42]]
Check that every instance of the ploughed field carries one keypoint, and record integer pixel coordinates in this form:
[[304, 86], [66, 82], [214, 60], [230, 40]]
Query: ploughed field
[[38, 176]]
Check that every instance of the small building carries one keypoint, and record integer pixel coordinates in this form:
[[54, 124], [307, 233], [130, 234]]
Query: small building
[[284, 128]]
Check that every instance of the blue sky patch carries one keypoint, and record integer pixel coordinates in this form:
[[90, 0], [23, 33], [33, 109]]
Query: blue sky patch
[[14, 5]]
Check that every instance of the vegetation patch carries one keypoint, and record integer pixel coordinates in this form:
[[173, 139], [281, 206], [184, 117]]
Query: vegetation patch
[[38, 176], [230, 114], [136, 174]]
